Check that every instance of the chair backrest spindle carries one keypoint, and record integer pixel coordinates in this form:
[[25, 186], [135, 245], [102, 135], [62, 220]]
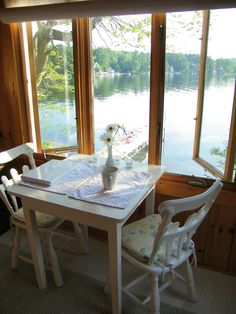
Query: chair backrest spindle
[[7, 156], [175, 238], [3, 188], [13, 153], [15, 176]]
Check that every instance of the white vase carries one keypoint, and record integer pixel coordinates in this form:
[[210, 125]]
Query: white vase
[[109, 161]]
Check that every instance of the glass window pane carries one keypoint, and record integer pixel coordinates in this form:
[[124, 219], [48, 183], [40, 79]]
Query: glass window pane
[[121, 54], [219, 88], [183, 44], [53, 55]]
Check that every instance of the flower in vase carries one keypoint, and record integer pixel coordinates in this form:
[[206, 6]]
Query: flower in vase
[[112, 134], [111, 128], [114, 128], [107, 138]]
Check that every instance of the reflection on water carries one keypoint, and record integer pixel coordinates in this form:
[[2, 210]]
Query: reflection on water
[[179, 125], [108, 85], [125, 99], [180, 82]]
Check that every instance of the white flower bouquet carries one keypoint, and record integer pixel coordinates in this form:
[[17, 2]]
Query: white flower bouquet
[[113, 134]]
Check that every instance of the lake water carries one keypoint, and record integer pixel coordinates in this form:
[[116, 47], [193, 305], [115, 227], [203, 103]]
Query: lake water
[[125, 99]]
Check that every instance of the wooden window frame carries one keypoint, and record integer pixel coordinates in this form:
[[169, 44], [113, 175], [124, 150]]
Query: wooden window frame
[[81, 29], [82, 51], [231, 150], [81, 32], [32, 81], [82, 55], [157, 87]]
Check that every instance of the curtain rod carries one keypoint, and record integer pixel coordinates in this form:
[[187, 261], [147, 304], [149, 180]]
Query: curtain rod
[[93, 8]]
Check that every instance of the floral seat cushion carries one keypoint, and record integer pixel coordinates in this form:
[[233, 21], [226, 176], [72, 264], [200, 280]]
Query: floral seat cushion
[[138, 238]]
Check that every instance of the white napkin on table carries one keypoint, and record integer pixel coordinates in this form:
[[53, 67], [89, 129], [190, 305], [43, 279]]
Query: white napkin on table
[[70, 181]]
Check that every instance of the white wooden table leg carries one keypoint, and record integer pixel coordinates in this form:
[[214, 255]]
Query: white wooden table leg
[[114, 246], [150, 202], [35, 245], [81, 237]]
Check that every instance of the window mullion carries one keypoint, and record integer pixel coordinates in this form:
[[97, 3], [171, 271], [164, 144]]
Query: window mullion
[[231, 151], [157, 85], [35, 117], [201, 84], [83, 84]]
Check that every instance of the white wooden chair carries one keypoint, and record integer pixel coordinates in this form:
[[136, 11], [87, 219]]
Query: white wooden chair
[[81, 231], [46, 223], [156, 246]]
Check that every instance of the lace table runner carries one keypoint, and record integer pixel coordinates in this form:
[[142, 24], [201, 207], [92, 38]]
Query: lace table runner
[[84, 182], [129, 184]]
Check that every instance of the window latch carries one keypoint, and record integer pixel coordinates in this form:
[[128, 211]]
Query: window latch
[[158, 129]]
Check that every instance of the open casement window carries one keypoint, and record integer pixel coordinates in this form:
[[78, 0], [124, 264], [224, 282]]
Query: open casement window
[[197, 80], [182, 55], [215, 134], [60, 85]]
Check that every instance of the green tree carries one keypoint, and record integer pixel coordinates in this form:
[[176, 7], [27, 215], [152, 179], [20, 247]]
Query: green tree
[[225, 66], [122, 31], [43, 45], [178, 62], [102, 57], [58, 79], [222, 152], [118, 29]]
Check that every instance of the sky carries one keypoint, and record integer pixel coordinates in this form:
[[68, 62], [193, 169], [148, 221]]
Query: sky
[[222, 28], [222, 36], [181, 36]]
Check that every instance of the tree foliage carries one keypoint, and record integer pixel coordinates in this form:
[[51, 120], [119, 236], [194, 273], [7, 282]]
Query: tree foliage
[[122, 31], [222, 152], [116, 30], [57, 82], [53, 52], [106, 60]]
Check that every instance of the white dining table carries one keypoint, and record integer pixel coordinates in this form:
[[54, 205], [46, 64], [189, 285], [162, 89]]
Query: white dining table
[[102, 217]]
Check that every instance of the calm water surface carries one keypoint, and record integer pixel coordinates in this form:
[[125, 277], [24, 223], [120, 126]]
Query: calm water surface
[[125, 99]]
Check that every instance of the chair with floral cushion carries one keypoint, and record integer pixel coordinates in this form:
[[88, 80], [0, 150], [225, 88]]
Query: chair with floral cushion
[[157, 246]]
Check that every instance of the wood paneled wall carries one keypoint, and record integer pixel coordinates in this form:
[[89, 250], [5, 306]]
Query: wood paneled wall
[[13, 126]]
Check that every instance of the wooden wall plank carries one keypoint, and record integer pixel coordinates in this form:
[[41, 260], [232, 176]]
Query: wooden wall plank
[[219, 239], [13, 128], [232, 258], [4, 118]]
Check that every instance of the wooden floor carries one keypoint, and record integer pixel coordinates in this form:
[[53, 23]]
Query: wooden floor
[[216, 292]]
